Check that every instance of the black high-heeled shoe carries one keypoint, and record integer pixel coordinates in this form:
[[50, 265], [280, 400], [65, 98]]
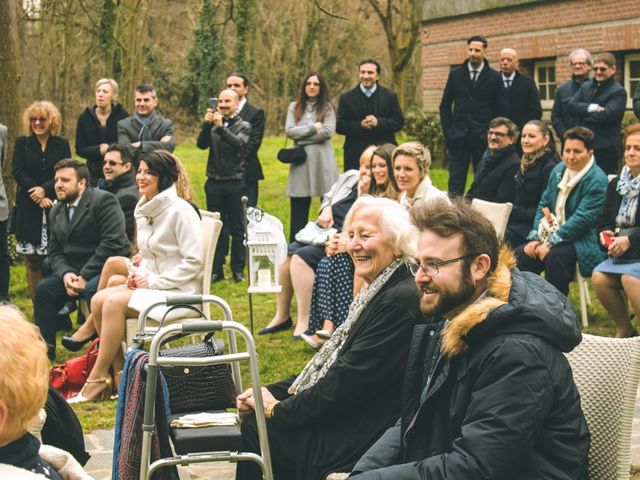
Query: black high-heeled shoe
[[74, 345]]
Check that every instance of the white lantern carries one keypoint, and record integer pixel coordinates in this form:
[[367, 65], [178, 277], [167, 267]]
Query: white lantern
[[263, 262]]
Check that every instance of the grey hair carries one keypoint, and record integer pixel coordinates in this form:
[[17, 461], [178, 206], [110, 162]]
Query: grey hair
[[584, 53], [395, 222]]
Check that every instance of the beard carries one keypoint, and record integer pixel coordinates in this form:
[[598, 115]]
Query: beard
[[448, 299], [69, 197]]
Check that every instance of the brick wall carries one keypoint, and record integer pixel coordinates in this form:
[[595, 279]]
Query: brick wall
[[539, 31]]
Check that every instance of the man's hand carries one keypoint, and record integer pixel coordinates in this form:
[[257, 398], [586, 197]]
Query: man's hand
[[542, 251], [371, 120], [530, 248], [79, 284], [136, 144], [69, 280], [217, 119], [208, 116], [165, 139]]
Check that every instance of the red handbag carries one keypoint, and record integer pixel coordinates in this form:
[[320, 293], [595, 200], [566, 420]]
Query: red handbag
[[68, 379]]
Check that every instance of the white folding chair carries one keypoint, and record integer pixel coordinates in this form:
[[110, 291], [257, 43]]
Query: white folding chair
[[585, 298], [496, 213], [606, 372]]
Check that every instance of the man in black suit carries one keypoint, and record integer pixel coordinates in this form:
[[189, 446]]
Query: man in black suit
[[86, 227], [367, 115], [120, 179], [561, 119], [599, 105], [524, 98], [474, 94], [239, 83]]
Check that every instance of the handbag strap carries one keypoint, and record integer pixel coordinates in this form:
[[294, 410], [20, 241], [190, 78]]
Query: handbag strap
[[185, 306], [94, 346]]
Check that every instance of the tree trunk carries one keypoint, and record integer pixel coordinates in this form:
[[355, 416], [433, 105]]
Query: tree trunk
[[10, 91]]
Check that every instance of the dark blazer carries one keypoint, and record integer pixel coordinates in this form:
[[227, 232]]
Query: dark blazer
[[353, 107], [524, 100], [561, 117], [34, 168], [636, 101], [528, 190], [255, 116], [90, 134], [95, 233], [494, 180], [336, 420], [126, 191], [606, 124], [467, 107], [130, 128], [226, 148], [610, 212]]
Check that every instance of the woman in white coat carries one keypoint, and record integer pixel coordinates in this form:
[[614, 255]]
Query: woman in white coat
[[169, 242], [311, 122]]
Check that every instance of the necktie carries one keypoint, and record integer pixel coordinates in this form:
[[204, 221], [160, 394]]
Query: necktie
[[507, 82], [70, 210], [474, 75]]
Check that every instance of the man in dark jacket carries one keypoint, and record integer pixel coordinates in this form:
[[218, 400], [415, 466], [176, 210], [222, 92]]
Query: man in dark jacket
[[226, 135], [367, 115], [494, 180], [599, 105], [473, 95], [561, 119], [145, 130], [86, 227], [524, 98], [488, 392], [120, 179], [636, 101]]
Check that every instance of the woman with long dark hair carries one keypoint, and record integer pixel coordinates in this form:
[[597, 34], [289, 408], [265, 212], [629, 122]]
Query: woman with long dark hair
[[311, 122]]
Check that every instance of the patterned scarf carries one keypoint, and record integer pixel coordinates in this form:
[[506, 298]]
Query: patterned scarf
[[530, 159], [322, 361], [144, 133], [628, 188]]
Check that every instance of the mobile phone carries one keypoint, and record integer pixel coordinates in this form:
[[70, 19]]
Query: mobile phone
[[605, 239], [213, 103]]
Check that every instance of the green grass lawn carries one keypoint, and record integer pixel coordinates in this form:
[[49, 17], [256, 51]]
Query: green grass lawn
[[279, 356]]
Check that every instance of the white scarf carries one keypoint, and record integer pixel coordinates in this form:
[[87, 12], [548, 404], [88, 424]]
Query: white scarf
[[569, 180]]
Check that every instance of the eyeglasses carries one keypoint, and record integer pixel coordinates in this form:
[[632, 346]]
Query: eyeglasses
[[38, 120], [111, 163], [432, 268], [601, 69], [493, 133]]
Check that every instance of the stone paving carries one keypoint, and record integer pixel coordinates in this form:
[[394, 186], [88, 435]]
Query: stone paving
[[99, 444]]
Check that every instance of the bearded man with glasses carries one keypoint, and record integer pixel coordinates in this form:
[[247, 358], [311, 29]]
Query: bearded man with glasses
[[488, 392]]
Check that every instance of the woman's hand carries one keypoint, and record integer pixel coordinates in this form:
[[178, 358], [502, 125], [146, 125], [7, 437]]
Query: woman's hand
[[103, 148], [140, 281], [542, 251], [530, 248], [619, 246], [336, 244], [36, 194], [318, 126], [325, 219], [136, 259], [605, 232], [242, 403], [45, 203], [363, 183]]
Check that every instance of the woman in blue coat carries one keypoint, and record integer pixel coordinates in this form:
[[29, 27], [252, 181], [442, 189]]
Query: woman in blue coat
[[564, 228]]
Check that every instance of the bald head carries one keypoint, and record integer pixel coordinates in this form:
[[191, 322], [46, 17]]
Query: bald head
[[508, 61], [228, 102]]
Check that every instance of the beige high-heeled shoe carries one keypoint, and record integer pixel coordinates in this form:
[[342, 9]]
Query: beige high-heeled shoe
[[102, 394]]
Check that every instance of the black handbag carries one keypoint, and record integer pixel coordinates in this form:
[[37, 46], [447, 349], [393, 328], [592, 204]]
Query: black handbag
[[293, 155], [198, 388]]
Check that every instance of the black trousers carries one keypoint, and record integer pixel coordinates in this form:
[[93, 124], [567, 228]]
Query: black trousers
[[225, 197], [251, 191], [299, 215], [459, 154], [559, 265], [50, 297], [5, 262]]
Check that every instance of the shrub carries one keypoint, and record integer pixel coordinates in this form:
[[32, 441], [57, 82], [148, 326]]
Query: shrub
[[425, 128]]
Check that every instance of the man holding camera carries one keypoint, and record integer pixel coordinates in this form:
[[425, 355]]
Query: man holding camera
[[225, 134]]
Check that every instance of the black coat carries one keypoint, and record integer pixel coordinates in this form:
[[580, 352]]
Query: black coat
[[524, 100], [501, 402], [610, 212], [636, 101], [561, 118], [23, 452], [467, 107], [90, 134], [528, 190], [126, 190], [95, 233], [494, 181], [255, 116], [606, 124], [353, 107], [336, 420], [34, 168], [226, 146]]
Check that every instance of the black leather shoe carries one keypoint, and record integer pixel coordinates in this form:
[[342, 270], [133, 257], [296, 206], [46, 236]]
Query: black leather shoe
[[286, 325], [217, 277], [74, 345], [68, 308], [238, 277]]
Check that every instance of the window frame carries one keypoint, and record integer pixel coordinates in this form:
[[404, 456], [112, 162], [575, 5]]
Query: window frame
[[537, 64]]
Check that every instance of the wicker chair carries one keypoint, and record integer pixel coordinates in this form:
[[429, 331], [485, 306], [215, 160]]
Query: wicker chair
[[606, 371], [496, 213]]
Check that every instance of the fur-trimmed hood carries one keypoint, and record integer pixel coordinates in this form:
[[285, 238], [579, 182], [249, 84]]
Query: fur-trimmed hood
[[516, 302]]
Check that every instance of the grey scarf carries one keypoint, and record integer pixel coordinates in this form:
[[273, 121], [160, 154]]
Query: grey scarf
[[322, 361]]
